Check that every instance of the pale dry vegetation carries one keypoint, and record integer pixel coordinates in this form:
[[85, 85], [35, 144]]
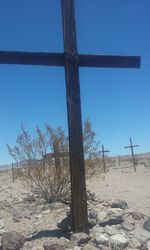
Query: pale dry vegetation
[[43, 160]]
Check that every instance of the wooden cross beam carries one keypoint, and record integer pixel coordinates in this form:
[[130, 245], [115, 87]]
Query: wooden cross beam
[[132, 153], [59, 154], [103, 151], [56, 156], [71, 60]]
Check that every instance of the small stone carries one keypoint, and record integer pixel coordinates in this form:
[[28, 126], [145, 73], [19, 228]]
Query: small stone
[[146, 225], [148, 245], [128, 226], [5, 204], [2, 227], [141, 235], [92, 222], [16, 215], [115, 213], [89, 247], [119, 242], [137, 216], [97, 230], [80, 239], [101, 216], [91, 196], [2, 224], [110, 230], [119, 204], [12, 241], [135, 243], [2, 231], [105, 204], [101, 239], [77, 248], [93, 214], [55, 244], [114, 216]]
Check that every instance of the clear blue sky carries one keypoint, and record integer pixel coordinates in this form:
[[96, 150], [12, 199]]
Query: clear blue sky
[[116, 100]]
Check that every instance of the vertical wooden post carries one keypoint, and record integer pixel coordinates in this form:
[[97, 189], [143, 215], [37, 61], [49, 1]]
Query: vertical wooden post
[[119, 161], [56, 155], [133, 159], [77, 167], [104, 163], [13, 174], [71, 60], [103, 155]]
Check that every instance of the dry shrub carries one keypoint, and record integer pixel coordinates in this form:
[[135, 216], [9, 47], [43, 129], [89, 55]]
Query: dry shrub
[[95, 167], [50, 183], [44, 160], [45, 173]]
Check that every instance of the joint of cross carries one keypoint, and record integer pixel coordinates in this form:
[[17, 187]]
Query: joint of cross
[[72, 57]]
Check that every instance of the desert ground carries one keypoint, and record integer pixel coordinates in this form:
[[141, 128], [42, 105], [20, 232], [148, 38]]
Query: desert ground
[[123, 183], [37, 220]]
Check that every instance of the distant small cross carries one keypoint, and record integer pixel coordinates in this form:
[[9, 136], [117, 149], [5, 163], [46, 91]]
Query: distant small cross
[[71, 60], [132, 152], [119, 161], [103, 151]]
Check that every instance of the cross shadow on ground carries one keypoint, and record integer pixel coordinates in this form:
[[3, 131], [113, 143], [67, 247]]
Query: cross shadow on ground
[[49, 233]]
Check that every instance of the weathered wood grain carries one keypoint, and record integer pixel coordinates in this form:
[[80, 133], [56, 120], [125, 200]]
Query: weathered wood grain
[[109, 61], [58, 59], [72, 61], [77, 168], [31, 58]]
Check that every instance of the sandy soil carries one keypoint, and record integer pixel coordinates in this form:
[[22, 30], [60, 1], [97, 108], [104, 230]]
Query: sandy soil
[[124, 183], [118, 183], [35, 218]]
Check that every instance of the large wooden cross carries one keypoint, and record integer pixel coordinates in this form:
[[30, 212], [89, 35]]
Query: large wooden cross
[[103, 151], [71, 60], [131, 146]]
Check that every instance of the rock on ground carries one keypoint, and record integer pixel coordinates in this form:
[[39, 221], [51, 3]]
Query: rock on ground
[[12, 241], [80, 239], [137, 216], [119, 242], [146, 225], [101, 239], [119, 204], [55, 244]]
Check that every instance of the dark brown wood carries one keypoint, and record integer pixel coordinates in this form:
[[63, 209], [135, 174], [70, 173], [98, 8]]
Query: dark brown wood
[[58, 59], [109, 61], [103, 151], [59, 154], [132, 153], [31, 58], [77, 167], [72, 61]]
